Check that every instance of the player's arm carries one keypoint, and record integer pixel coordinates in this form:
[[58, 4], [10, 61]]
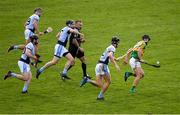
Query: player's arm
[[112, 59], [36, 26], [140, 53], [57, 35], [82, 39], [28, 53], [75, 42], [76, 32], [125, 56], [25, 24]]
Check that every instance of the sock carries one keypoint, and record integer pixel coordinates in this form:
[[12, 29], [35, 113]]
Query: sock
[[25, 88], [88, 80], [41, 69], [133, 87], [130, 73], [69, 67], [84, 69], [26, 85], [16, 47], [100, 94], [13, 74], [65, 71]]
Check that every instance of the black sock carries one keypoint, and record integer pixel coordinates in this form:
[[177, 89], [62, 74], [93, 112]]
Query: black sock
[[131, 74], [133, 87], [84, 69]]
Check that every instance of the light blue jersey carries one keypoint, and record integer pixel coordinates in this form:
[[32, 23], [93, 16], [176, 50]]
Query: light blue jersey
[[64, 35], [30, 21], [31, 47], [104, 57]]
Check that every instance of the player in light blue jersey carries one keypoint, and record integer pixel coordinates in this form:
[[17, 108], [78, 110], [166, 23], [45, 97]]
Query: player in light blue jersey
[[60, 49], [31, 26], [102, 69], [23, 63]]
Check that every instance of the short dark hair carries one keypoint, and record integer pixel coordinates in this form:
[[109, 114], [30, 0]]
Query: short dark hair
[[78, 21], [37, 9]]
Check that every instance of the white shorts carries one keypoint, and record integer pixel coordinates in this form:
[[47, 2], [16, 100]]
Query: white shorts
[[102, 69], [134, 63], [24, 67], [60, 51], [28, 33]]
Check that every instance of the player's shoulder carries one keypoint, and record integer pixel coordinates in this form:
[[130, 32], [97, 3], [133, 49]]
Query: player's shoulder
[[35, 16], [111, 48], [66, 28], [30, 45]]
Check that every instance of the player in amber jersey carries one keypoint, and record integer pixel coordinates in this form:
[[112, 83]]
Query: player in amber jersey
[[135, 61]]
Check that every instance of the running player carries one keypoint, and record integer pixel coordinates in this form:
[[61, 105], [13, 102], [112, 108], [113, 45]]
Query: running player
[[23, 63], [75, 47], [135, 62], [31, 26], [60, 49], [102, 70]]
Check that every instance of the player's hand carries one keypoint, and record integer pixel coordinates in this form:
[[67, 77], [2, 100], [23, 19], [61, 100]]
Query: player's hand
[[35, 58], [116, 59], [82, 40], [41, 33], [81, 49], [82, 35], [142, 61]]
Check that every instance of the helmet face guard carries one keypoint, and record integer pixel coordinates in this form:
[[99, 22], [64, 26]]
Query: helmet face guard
[[115, 40], [69, 22], [34, 39], [146, 37]]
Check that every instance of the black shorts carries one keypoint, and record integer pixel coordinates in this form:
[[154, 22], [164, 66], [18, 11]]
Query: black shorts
[[75, 52]]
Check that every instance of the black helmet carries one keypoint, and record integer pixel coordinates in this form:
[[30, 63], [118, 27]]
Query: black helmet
[[115, 40], [69, 22], [146, 37], [34, 37]]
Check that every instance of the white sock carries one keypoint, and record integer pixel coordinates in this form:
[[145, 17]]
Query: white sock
[[25, 88], [65, 71], [16, 47], [13, 74]]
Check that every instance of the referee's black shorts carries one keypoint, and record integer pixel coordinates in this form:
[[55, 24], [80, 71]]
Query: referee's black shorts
[[75, 52]]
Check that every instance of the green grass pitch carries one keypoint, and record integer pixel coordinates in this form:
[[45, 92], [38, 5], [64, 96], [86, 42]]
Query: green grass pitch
[[158, 92]]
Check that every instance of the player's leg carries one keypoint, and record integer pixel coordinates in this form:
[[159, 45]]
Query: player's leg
[[47, 65], [26, 84], [27, 34], [72, 51], [57, 55], [70, 62], [98, 82], [139, 74], [132, 63], [105, 86], [82, 58], [22, 76]]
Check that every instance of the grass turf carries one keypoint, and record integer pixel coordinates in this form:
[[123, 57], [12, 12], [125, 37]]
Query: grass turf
[[158, 92]]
